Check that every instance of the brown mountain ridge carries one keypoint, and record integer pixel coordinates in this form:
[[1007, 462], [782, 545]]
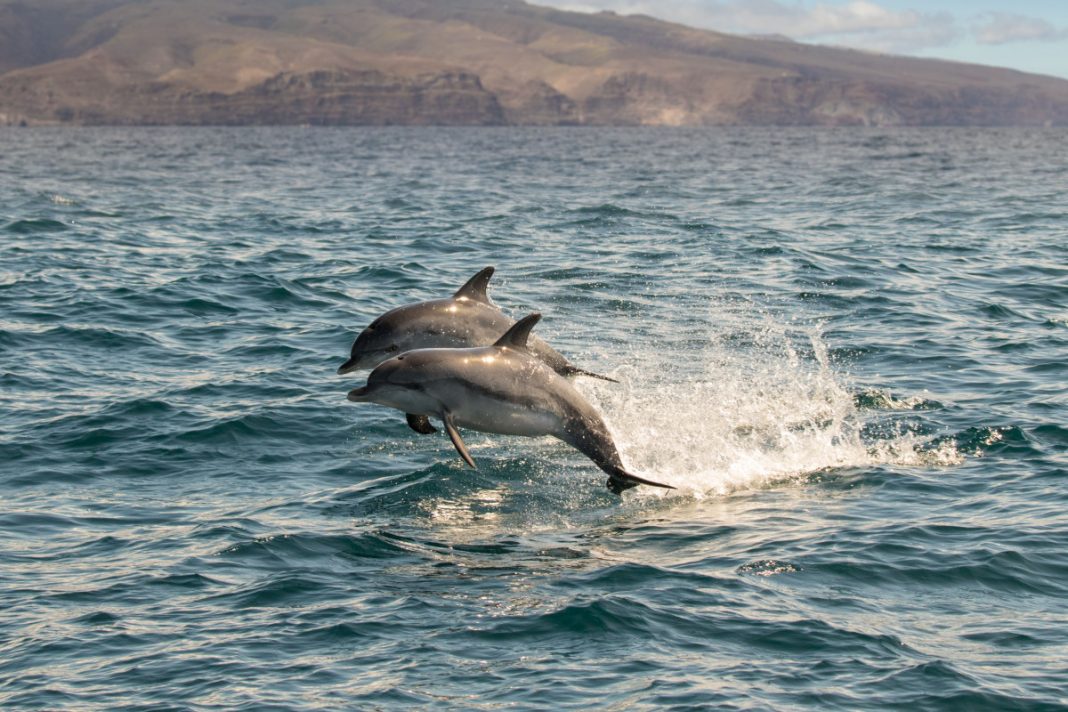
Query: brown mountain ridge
[[464, 62]]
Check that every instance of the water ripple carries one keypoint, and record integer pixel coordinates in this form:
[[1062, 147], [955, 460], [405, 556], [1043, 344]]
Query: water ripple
[[846, 348]]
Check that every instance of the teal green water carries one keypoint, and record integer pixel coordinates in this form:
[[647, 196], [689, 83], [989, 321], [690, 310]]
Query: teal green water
[[848, 349]]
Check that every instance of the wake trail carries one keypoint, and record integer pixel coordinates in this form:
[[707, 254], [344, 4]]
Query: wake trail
[[758, 402]]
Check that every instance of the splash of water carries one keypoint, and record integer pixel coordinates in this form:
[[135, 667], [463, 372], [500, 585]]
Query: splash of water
[[759, 402]]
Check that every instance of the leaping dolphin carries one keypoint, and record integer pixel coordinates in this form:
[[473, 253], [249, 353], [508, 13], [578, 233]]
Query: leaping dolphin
[[467, 318], [503, 388]]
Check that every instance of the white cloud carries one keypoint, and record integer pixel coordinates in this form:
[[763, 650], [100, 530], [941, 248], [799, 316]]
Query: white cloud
[[1003, 27], [857, 16], [859, 23]]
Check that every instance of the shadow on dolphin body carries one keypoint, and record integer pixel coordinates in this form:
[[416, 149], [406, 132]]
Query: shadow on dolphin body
[[467, 318], [503, 389]]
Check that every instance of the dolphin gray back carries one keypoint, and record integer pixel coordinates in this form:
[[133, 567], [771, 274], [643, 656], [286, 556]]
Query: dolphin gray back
[[467, 319]]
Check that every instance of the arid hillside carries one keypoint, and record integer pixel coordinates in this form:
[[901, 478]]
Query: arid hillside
[[464, 62]]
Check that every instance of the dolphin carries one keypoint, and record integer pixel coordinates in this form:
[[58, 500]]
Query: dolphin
[[503, 388], [467, 318]]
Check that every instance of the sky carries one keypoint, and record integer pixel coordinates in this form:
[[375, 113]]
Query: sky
[[1030, 35]]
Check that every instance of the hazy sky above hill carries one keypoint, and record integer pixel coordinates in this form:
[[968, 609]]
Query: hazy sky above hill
[[1031, 35]]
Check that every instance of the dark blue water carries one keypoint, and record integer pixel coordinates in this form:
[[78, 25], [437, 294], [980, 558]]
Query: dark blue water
[[848, 349]]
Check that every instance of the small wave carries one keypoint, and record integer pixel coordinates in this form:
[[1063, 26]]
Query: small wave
[[210, 294], [277, 290], [1005, 639], [236, 389], [917, 219], [616, 616], [122, 420], [607, 214], [346, 633], [95, 336], [1000, 311], [201, 306], [1055, 435], [904, 156], [264, 352], [91, 213], [403, 204], [34, 226], [877, 399], [630, 575], [98, 618], [35, 523], [249, 427], [101, 437], [934, 557], [606, 616], [768, 567], [286, 256], [182, 582], [605, 209], [299, 549], [979, 441], [286, 590], [1048, 368], [922, 674]]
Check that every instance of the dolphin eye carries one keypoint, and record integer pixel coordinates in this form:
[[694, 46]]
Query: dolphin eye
[[394, 347]]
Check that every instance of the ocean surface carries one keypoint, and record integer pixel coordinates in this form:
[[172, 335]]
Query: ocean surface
[[848, 349]]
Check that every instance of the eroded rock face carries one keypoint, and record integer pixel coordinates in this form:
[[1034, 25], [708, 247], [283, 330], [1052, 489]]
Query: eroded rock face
[[323, 97], [636, 98], [536, 103], [819, 102], [331, 97], [464, 62]]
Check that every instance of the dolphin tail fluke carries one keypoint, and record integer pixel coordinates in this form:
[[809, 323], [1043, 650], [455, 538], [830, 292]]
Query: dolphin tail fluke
[[621, 480], [576, 371]]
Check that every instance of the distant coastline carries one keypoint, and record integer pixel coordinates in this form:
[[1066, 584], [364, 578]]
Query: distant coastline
[[466, 63]]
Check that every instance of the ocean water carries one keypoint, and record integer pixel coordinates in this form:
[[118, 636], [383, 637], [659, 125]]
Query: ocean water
[[848, 350]]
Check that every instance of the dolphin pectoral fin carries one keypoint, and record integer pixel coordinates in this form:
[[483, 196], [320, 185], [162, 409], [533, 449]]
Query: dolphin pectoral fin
[[420, 424], [457, 441], [620, 480]]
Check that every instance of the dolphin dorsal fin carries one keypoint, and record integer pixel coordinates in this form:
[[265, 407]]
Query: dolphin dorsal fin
[[516, 337], [475, 288]]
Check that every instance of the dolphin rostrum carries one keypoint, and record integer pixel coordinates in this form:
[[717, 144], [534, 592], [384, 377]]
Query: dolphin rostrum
[[467, 318], [503, 388]]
